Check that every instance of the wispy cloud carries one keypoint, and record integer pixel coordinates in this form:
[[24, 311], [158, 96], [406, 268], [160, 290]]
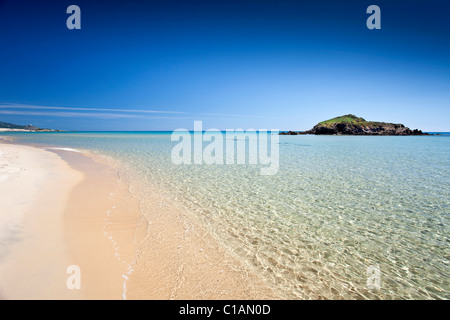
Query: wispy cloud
[[26, 106], [109, 113], [97, 115]]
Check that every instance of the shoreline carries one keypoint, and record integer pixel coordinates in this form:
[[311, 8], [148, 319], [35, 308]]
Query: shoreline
[[73, 207], [122, 252], [174, 257], [100, 220]]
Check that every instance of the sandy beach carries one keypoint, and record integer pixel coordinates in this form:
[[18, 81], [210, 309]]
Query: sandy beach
[[13, 130], [35, 186], [61, 208], [53, 216]]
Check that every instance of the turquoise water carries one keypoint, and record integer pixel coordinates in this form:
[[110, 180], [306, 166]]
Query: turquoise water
[[338, 205]]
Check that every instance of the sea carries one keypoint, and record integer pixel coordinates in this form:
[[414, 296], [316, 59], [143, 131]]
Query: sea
[[344, 217]]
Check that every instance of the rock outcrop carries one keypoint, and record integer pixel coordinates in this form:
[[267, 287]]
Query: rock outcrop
[[353, 125]]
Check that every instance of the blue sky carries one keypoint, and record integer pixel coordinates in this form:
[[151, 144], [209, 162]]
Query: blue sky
[[160, 65]]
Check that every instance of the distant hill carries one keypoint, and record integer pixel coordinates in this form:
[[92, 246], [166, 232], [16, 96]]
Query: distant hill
[[352, 125], [6, 125]]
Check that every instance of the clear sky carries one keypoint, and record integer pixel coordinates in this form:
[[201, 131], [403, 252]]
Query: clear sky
[[160, 65]]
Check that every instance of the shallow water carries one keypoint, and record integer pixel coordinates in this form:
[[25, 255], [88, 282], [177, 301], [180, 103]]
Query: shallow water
[[338, 205]]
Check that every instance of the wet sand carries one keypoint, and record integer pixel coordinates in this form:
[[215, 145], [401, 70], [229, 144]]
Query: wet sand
[[67, 208]]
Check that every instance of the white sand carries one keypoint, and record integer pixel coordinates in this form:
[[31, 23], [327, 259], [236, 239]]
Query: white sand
[[34, 187], [13, 130]]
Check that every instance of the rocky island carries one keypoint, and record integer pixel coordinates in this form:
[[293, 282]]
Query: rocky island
[[10, 127], [352, 125]]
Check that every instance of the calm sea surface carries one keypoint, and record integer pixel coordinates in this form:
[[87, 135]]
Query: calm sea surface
[[340, 208]]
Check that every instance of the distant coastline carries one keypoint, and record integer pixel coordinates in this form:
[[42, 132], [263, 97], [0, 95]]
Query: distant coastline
[[10, 127]]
